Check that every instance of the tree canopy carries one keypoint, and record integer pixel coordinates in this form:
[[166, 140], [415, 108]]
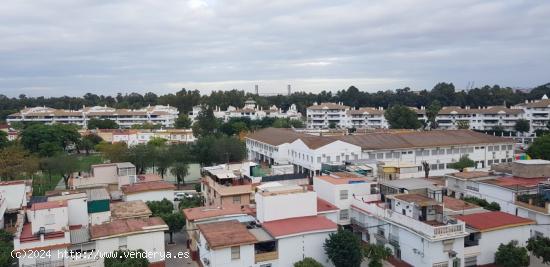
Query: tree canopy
[[183, 122], [344, 249], [431, 112], [463, 162], [48, 140], [127, 258], [102, 124], [522, 126], [401, 117], [308, 262], [511, 255], [540, 148], [3, 139], [540, 247]]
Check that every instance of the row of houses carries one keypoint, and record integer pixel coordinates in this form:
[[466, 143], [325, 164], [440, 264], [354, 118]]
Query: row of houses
[[537, 112], [102, 212], [125, 118], [250, 110], [134, 137], [403, 151], [424, 221]]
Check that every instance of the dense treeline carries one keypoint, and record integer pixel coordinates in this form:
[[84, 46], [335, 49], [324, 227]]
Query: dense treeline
[[184, 100]]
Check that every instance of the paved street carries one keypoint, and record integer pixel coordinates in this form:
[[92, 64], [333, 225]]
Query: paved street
[[180, 241]]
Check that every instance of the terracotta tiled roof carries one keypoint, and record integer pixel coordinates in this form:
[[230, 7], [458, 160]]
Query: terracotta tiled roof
[[342, 180], [226, 234], [494, 220], [537, 104], [470, 175], [324, 206], [515, 183], [457, 204], [49, 205], [130, 209], [146, 186], [366, 110], [300, 225], [395, 140], [417, 199], [127, 226], [200, 213], [328, 106], [275, 136]]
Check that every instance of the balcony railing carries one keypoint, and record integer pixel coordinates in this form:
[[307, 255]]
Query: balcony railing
[[57, 263], [266, 256], [432, 232]]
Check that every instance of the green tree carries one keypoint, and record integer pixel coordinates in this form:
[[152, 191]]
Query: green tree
[[180, 170], [160, 207], [401, 117], [540, 148], [88, 142], [511, 255], [65, 166], [127, 258], [141, 155], [164, 161], [117, 152], [463, 125], [157, 142], [175, 222], [522, 126], [498, 130], [102, 124], [6, 247], [218, 149], [308, 262], [49, 139], [344, 249], [463, 162], [3, 139], [17, 162], [195, 201], [332, 125], [431, 112], [183, 122], [376, 254], [540, 247], [206, 123]]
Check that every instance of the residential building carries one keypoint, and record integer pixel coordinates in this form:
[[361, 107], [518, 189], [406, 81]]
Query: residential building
[[325, 115], [369, 118], [413, 226], [103, 175], [136, 137], [14, 196], [537, 112], [125, 118], [338, 188], [148, 191], [398, 148], [131, 234], [487, 230], [233, 184], [251, 111]]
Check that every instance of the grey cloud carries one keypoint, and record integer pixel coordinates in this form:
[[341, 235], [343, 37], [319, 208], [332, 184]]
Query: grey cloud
[[72, 47]]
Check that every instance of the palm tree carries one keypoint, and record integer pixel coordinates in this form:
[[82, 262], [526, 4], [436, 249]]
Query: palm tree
[[180, 170]]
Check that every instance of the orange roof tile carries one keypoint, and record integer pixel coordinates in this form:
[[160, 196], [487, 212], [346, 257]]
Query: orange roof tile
[[226, 234], [147, 186], [293, 226], [49, 205], [126, 226], [457, 204], [324, 206], [200, 213], [494, 220]]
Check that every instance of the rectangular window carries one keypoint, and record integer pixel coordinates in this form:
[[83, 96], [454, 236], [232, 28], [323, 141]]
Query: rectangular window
[[380, 155], [426, 152], [510, 147], [235, 253], [344, 214], [318, 159], [343, 194], [490, 148], [441, 166], [417, 153], [389, 155], [503, 147], [433, 166], [337, 158], [236, 199]]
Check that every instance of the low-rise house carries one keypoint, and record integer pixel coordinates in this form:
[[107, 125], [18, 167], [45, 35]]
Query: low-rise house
[[98, 205], [453, 206], [148, 191], [135, 209], [14, 195], [488, 230], [131, 234], [103, 175], [413, 226], [338, 188]]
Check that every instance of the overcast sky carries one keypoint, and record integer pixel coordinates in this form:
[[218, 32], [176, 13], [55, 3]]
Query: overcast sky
[[70, 47]]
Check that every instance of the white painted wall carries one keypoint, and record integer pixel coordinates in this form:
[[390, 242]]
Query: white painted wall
[[15, 195], [490, 241], [156, 195], [222, 257], [78, 211], [296, 248], [52, 219], [99, 217], [149, 242], [276, 207]]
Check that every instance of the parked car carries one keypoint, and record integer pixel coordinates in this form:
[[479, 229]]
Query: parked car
[[180, 196]]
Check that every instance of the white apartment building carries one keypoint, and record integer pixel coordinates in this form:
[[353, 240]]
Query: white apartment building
[[487, 230], [324, 114], [125, 118], [413, 227], [439, 148], [338, 189], [250, 110], [537, 112], [279, 237], [136, 137]]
